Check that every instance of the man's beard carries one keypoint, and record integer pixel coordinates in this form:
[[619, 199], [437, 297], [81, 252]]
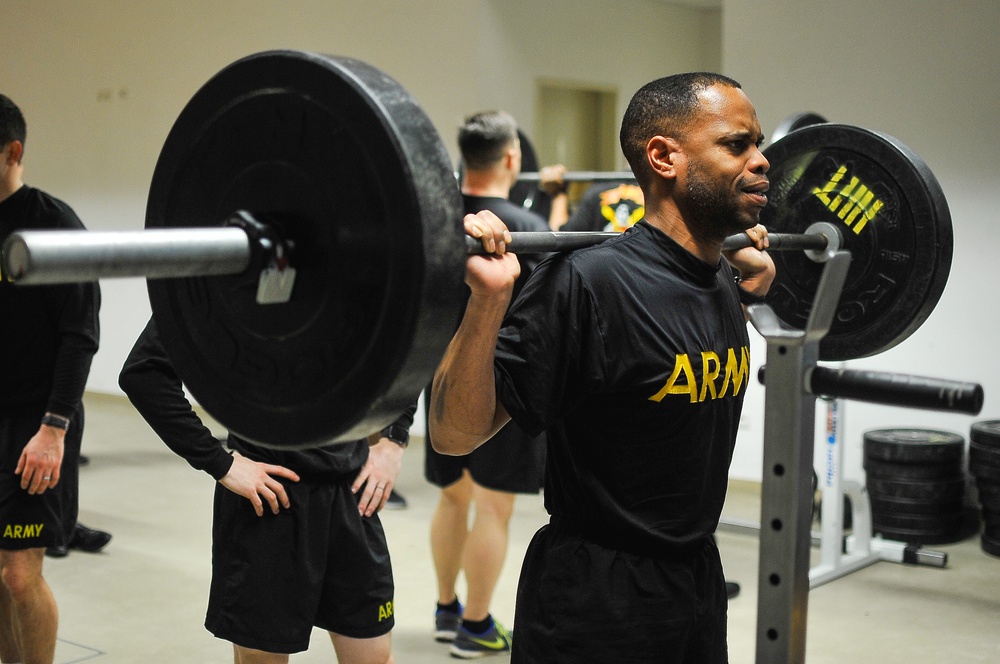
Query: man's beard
[[716, 211]]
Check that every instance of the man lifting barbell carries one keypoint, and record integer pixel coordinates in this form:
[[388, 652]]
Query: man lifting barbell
[[640, 434]]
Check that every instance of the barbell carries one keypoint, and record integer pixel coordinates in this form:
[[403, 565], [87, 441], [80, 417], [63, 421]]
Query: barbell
[[35, 258], [581, 176], [315, 184]]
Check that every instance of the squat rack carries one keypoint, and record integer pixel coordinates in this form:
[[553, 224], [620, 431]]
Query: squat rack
[[784, 577]]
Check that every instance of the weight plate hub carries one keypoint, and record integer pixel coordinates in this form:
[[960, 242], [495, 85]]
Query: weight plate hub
[[346, 165], [894, 220]]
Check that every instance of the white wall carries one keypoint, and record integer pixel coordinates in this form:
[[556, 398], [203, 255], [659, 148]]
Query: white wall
[[101, 81], [927, 73]]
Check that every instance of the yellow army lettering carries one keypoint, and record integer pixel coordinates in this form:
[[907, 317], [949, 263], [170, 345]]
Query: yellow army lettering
[[385, 611], [860, 200], [22, 532], [682, 380]]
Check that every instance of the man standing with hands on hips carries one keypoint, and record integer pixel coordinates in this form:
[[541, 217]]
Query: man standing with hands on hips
[[633, 357]]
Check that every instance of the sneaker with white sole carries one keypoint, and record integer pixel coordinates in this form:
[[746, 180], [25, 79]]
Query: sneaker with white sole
[[469, 645], [446, 624]]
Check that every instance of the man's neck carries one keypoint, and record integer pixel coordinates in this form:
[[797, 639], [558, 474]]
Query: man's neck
[[8, 186], [488, 184], [669, 219]]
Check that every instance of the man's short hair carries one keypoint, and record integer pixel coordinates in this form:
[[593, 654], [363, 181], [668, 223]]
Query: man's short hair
[[12, 126], [663, 107], [485, 137]]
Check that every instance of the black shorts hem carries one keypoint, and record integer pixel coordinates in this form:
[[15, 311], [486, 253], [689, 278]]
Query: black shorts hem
[[245, 641], [373, 632]]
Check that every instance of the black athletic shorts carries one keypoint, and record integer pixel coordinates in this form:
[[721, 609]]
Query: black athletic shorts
[[510, 461], [318, 563], [582, 603], [31, 522]]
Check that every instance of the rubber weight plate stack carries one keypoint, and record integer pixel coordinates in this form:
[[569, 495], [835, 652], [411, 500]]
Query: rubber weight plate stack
[[984, 465], [916, 483]]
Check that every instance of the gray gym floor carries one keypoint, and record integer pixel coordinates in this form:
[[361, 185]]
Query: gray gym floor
[[142, 600]]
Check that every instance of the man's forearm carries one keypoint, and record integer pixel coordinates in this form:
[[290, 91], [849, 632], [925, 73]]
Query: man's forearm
[[464, 411]]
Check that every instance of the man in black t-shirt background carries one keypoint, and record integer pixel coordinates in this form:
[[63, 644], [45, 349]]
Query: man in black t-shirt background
[[47, 341], [487, 480]]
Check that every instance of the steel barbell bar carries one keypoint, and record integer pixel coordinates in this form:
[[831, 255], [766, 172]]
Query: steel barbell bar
[[581, 176], [52, 257]]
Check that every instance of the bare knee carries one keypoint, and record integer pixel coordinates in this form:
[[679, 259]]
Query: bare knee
[[498, 505], [21, 572], [243, 655], [377, 650]]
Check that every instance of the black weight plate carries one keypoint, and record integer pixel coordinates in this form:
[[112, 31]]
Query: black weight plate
[[902, 506], [930, 522], [945, 535], [895, 223], [796, 121], [991, 520], [931, 530], [986, 432], [990, 545], [983, 471], [910, 471], [983, 455], [989, 501], [913, 446], [523, 192], [343, 159], [991, 487], [949, 489]]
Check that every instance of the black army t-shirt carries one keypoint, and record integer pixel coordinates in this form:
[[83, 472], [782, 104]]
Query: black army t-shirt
[[633, 355]]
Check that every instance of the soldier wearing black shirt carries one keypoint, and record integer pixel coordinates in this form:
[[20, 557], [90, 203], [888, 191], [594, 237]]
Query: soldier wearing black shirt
[[48, 338], [607, 206], [485, 482], [311, 551], [633, 357]]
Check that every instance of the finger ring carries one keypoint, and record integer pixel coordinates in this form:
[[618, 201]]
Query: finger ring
[[46, 478], [380, 487]]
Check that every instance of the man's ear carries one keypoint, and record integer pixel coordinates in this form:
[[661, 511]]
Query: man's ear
[[16, 151], [510, 159], [664, 156]]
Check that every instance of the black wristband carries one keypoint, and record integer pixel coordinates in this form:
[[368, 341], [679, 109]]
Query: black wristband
[[56, 421], [746, 297], [397, 434]]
